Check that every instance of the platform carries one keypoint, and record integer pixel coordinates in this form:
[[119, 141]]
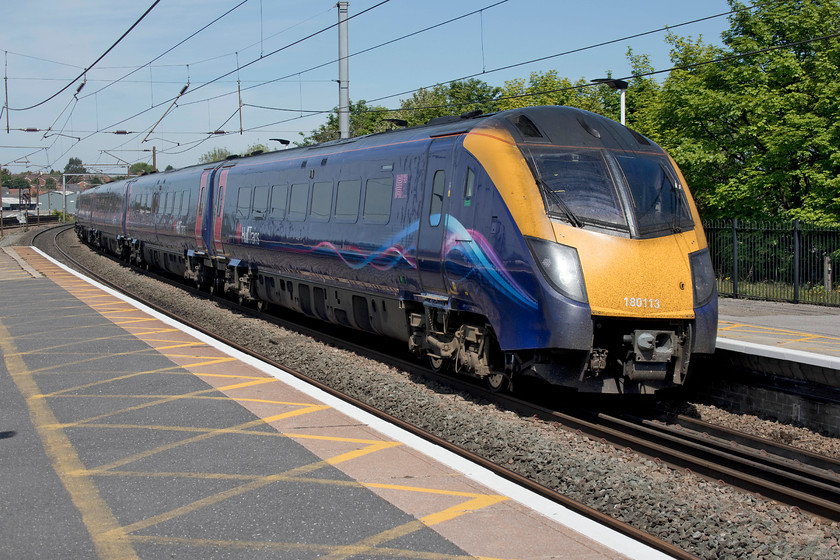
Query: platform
[[124, 435], [808, 335]]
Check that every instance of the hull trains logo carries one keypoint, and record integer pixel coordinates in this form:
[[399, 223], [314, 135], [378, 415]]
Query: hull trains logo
[[249, 236]]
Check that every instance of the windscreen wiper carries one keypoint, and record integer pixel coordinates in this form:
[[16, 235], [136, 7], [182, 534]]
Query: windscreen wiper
[[549, 193], [557, 200]]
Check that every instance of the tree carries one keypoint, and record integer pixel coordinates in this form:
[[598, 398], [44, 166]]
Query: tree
[[16, 182], [454, 98], [758, 133], [216, 154], [255, 147], [549, 89], [49, 183], [425, 104], [363, 120], [74, 165], [141, 167]]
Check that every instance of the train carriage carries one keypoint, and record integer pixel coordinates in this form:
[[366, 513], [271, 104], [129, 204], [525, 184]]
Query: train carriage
[[545, 241]]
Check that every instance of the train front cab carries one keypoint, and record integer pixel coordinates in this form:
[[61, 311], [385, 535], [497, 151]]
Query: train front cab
[[627, 291]]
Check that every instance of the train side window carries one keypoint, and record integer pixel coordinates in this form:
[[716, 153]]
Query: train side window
[[220, 193], [260, 202], [436, 203], [378, 193], [185, 204], [347, 201], [321, 206], [155, 202], [279, 194], [469, 187], [297, 202], [243, 202]]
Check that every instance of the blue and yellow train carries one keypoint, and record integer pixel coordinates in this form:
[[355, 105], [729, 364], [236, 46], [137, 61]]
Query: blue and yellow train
[[544, 241]]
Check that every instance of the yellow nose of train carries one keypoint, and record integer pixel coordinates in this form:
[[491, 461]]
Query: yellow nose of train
[[648, 278]]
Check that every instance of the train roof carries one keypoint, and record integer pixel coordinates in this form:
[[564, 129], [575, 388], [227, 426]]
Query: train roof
[[558, 125]]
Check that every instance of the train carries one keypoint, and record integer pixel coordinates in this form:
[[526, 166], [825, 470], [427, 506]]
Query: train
[[545, 243]]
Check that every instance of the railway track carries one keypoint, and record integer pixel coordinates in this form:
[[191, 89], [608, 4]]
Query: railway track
[[785, 474]]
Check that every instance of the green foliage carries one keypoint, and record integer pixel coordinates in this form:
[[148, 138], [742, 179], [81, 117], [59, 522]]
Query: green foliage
[[74, 165], [455, 98], [216, 154], [363, 120], [425, 104], [255, 147], [549, 89], [141, 167], [15, 182], [50, 184], [758, 136]]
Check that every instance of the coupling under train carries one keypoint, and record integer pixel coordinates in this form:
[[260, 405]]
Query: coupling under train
[[546, 241]]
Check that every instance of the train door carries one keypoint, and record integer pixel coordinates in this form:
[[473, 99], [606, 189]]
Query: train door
[[432, 229], [127, 199], [202, 218], [218, 211]]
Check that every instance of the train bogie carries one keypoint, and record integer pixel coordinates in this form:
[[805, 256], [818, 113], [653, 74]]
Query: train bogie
[[547, 242]]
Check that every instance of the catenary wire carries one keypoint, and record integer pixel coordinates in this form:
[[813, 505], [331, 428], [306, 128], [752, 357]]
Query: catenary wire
[[117, 42]]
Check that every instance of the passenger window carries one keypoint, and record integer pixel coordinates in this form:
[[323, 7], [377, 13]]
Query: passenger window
[[260, 202], [347, 201], [469, 187], [185, 203], [297, 202], [321, 205], [219, 195], [378, 200], [155, 202], [437, 198], [243, 202], [279, 193]]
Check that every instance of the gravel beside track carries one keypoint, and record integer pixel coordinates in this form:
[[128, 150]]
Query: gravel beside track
[[708, 519]]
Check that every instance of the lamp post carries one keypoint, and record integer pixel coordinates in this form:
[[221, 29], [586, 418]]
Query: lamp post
[[621, 86]]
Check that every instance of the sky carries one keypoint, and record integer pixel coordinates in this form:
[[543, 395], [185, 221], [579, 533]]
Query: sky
[[280, 57]]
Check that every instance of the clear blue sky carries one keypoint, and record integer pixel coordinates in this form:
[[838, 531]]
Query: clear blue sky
[[47, 43]]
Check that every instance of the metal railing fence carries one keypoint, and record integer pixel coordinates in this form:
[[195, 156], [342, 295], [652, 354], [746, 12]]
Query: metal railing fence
[[781, 261]]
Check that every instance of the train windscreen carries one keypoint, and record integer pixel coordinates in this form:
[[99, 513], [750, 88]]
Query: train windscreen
[[629, 194]]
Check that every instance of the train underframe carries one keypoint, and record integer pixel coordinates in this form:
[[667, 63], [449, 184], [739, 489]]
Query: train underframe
[[626, 356]]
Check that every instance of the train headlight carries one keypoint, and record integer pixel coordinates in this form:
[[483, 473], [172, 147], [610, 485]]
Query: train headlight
[[702, 277], [560, 265]]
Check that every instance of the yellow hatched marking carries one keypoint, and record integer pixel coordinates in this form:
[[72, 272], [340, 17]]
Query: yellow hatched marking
[[231, 493], [292, 548], [207, 434], [88, 360], [173, 369], [52, 349], [141, 334], [96, 515], [134, 320], [744, 327], [164, 400]]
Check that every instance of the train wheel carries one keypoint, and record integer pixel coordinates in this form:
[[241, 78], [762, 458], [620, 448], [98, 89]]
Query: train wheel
[[498, 382], [437, 363]]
